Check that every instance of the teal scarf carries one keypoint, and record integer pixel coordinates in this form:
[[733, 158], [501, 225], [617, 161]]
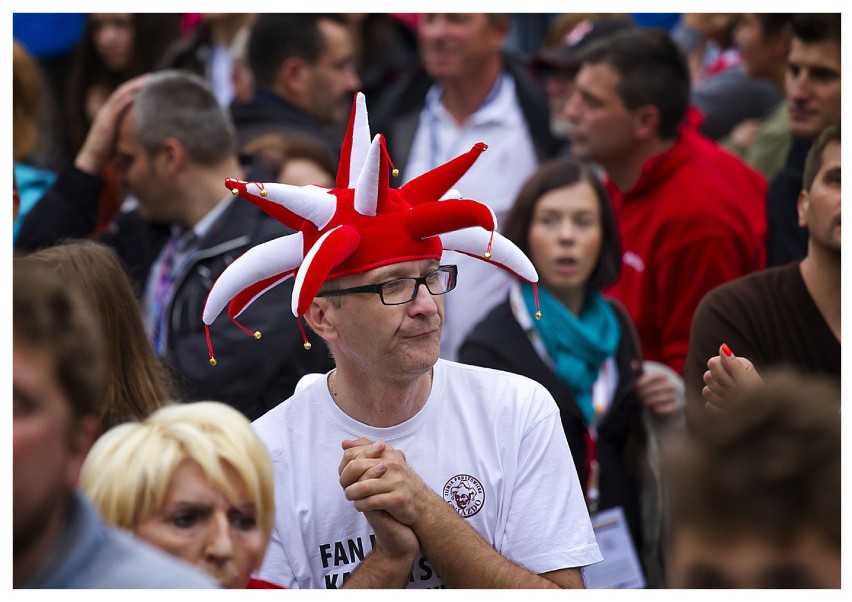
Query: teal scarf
[[577, 346]]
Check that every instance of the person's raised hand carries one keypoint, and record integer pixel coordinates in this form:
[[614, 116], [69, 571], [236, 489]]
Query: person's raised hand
[[99, 145], [726, 379]]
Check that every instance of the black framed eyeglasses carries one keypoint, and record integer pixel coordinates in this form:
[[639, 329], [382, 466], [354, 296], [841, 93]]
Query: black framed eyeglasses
[[403, 290]]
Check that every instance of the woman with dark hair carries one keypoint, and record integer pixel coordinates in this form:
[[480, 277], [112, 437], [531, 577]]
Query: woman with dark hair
[[115, 48], [584, 348], [138, 382]]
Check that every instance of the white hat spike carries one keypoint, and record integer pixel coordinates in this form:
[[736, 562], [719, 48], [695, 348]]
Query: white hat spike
[[310, 202], [367, 188], [360, 140], [258, 263]]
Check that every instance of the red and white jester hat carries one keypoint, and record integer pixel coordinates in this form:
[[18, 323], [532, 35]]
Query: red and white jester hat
[[359, 225]]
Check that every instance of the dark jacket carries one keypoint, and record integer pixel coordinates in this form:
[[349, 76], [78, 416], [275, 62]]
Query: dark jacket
[[787, 240], [268, 113], [251, 375], [498, 341], [398, 113]]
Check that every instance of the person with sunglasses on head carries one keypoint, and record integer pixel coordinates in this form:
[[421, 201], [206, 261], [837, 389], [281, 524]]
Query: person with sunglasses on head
[[397, 468]]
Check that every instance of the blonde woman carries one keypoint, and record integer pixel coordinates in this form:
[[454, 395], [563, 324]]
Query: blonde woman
[[192, 479]]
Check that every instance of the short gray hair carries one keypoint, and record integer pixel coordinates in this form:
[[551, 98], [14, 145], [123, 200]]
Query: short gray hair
[[179, 104]]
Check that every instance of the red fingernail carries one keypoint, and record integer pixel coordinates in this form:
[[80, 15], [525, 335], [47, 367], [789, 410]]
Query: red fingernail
[[727, 350]]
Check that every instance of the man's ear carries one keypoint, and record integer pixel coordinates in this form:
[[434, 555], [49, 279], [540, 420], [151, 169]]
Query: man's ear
[[802, 208], [320, 317], [293, 77], [647, 122], [172, 155]]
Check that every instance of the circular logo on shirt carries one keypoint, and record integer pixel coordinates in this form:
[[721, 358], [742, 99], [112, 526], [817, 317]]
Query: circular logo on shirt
[[465, 494]]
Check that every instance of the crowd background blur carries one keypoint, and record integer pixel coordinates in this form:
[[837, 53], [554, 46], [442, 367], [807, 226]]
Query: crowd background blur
[[757, 90]]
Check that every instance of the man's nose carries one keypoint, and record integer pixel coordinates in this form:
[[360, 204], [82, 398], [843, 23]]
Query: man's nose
[[354, 82], [798, 86], [571, 107], [424, 302]]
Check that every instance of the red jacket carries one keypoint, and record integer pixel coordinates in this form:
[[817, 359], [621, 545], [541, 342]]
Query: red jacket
[[695, 218]]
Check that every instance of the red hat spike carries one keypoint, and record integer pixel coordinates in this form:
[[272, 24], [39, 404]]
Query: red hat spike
[[329, 251], [433, 184], [432, 219], [359, 225]]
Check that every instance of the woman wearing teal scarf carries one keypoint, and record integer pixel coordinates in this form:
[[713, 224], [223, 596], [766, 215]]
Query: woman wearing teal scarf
[[584, 349], [577, 344]]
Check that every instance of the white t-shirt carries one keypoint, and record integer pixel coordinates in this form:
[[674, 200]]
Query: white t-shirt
[[494, 179], [491, 443]]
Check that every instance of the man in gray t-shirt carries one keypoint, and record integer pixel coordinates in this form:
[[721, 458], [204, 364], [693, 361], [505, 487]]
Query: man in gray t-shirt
[[58, 377]]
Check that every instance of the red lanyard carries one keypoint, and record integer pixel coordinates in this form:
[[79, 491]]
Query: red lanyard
[[592, 469]]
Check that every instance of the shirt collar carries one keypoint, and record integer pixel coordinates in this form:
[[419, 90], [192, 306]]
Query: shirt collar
[[494, 109]]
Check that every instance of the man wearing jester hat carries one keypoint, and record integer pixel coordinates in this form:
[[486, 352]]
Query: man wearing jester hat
[[370, 458]]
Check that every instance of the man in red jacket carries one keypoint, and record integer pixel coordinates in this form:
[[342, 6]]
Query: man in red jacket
[[691, 215]]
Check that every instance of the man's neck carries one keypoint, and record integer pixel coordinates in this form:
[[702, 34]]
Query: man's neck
[[462, 96], [624, 170], [821, 273], [379, 402], [33, 552], [204, 188]]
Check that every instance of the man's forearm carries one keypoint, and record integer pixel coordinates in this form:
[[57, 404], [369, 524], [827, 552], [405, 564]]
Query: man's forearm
[[463, 559], [380, 571]]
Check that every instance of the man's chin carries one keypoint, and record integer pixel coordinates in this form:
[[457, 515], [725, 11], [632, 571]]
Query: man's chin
[[423, 350]]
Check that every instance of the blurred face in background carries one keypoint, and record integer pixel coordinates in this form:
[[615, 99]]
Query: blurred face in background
[[333, 78], [819, 207], [456, 45], [558, 84], [760, 52], [112, 34], [813, 87], [603, 128], [565, 237], [48, 447], [144, 175]]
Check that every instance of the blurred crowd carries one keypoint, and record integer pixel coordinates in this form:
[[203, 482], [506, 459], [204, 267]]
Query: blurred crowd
[[673, 179]]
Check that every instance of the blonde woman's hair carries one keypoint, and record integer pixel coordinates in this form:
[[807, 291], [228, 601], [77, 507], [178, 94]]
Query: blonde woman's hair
[[128, 471]]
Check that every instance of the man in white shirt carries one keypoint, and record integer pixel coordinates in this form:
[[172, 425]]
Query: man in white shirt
[[451, 475], [472, 91]]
